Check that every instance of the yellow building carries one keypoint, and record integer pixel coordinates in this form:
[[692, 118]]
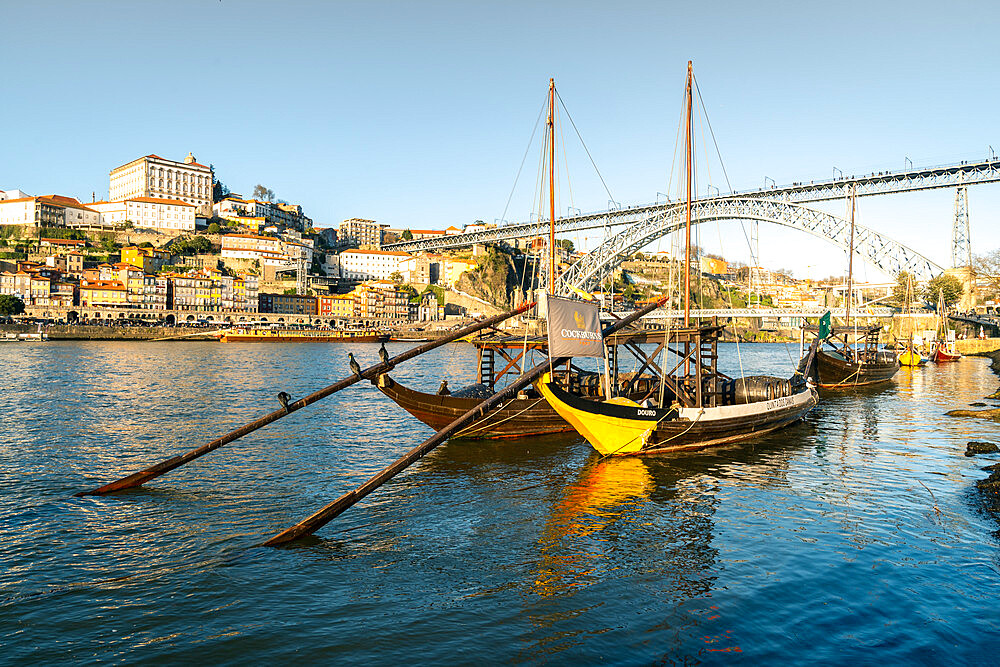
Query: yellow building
[[453, 268], [147, 259], [102, 293], [714, 265]]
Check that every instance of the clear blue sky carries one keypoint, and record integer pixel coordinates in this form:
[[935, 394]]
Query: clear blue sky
[[417, 114]]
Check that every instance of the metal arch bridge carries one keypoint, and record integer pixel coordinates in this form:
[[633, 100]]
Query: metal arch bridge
[[882, 252], [944, 176]]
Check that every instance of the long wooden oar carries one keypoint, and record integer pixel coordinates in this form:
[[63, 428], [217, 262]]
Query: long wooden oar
[[143, 476], [313, 523]]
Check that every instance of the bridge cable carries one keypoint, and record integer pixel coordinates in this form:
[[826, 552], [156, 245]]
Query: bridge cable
[[523, 159], [580, 137]]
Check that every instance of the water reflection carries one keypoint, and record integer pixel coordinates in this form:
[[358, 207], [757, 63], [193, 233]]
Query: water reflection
[[605, 491]]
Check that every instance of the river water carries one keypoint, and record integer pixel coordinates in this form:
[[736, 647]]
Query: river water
[[854, 536]]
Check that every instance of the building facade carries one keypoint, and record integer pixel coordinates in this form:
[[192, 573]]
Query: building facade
[[157, 177], [164, 215], [361, 233], [371, 264]]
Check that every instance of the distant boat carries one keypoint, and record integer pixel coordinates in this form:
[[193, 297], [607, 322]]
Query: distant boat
[[267, 335], [942, 349], [842, 365]]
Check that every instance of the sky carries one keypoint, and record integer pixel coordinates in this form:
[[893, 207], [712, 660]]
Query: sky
[[418, 114]]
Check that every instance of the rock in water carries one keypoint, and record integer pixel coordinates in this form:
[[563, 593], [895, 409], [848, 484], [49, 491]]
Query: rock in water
[[977, 405], [993, 468], [978, 447], [991, 483], [993, 413]]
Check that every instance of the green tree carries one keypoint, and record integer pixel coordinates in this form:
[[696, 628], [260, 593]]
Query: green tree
[[950, 286], [899, 289], [407, 235], [213, 228], [566, 243], [219, 191], [396, 277], [11, 305]]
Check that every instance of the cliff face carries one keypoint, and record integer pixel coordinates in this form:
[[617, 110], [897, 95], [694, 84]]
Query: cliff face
[[494, 279]]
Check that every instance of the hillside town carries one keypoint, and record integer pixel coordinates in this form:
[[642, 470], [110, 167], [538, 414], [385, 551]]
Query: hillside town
[[172, 245]]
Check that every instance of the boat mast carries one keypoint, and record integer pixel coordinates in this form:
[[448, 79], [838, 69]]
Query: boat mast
[[552, 185], [850, 264], [687, 215]]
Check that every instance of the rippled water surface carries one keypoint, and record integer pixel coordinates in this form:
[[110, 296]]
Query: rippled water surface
[[852, 537]]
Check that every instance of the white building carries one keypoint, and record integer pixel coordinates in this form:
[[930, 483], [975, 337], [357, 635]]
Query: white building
[[371, 264], [47, 211], [13, 194], [267, 250], [165, 215], [154, 176]]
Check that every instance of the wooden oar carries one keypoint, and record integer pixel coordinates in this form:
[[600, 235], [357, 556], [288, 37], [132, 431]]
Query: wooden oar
[[316, 521], [143, 476]]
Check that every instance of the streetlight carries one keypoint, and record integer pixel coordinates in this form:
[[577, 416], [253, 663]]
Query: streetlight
[[905, 160], [708, 190], [768, 178], [835, 170], [570, 209], [665, 196]]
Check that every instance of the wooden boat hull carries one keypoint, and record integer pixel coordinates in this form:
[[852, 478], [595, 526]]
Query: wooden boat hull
[[910, 357], [631, 429], [940, 356], [517, 418], [835, 372]]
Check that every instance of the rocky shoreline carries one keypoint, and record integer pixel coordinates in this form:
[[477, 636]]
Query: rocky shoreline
[[990, 413]]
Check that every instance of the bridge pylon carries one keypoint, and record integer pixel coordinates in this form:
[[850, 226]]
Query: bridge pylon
[[961, 245]]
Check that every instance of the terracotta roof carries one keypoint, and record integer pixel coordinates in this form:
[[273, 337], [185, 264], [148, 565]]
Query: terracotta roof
[[250, 236], [428, 231], [11, 201], [159, 200], [103, 284]]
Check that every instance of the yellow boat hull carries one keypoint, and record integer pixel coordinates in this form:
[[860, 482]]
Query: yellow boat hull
[[910, 358], [621, 431]]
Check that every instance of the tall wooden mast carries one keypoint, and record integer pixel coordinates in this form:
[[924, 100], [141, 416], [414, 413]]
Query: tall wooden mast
[[552, 186], [687, 214], [850, 266]]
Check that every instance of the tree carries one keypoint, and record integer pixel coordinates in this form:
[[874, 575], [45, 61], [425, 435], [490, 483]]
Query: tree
[[396, 277], [987, 268], [220, 191], [213, 228], [899, 290], [565, 243], [950, 286], [263, 193], [407, 235], [11, 305]]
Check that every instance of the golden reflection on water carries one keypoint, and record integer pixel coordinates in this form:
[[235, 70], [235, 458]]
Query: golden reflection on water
[[604, 491]]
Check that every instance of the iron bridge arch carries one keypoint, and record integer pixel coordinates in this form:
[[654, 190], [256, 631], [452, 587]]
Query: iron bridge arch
[[882, 252]]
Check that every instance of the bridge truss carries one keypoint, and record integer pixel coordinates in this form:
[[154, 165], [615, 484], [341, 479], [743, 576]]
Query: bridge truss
[[883, 253]]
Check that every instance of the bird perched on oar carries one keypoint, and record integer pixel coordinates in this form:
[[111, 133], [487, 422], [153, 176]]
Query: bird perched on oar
[[383, 354], [283, 398], [353, 363]]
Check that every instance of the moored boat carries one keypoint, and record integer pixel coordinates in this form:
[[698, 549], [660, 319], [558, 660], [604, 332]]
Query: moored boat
[[265, 335], [695, 411], [846, 367], [693, 405]]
